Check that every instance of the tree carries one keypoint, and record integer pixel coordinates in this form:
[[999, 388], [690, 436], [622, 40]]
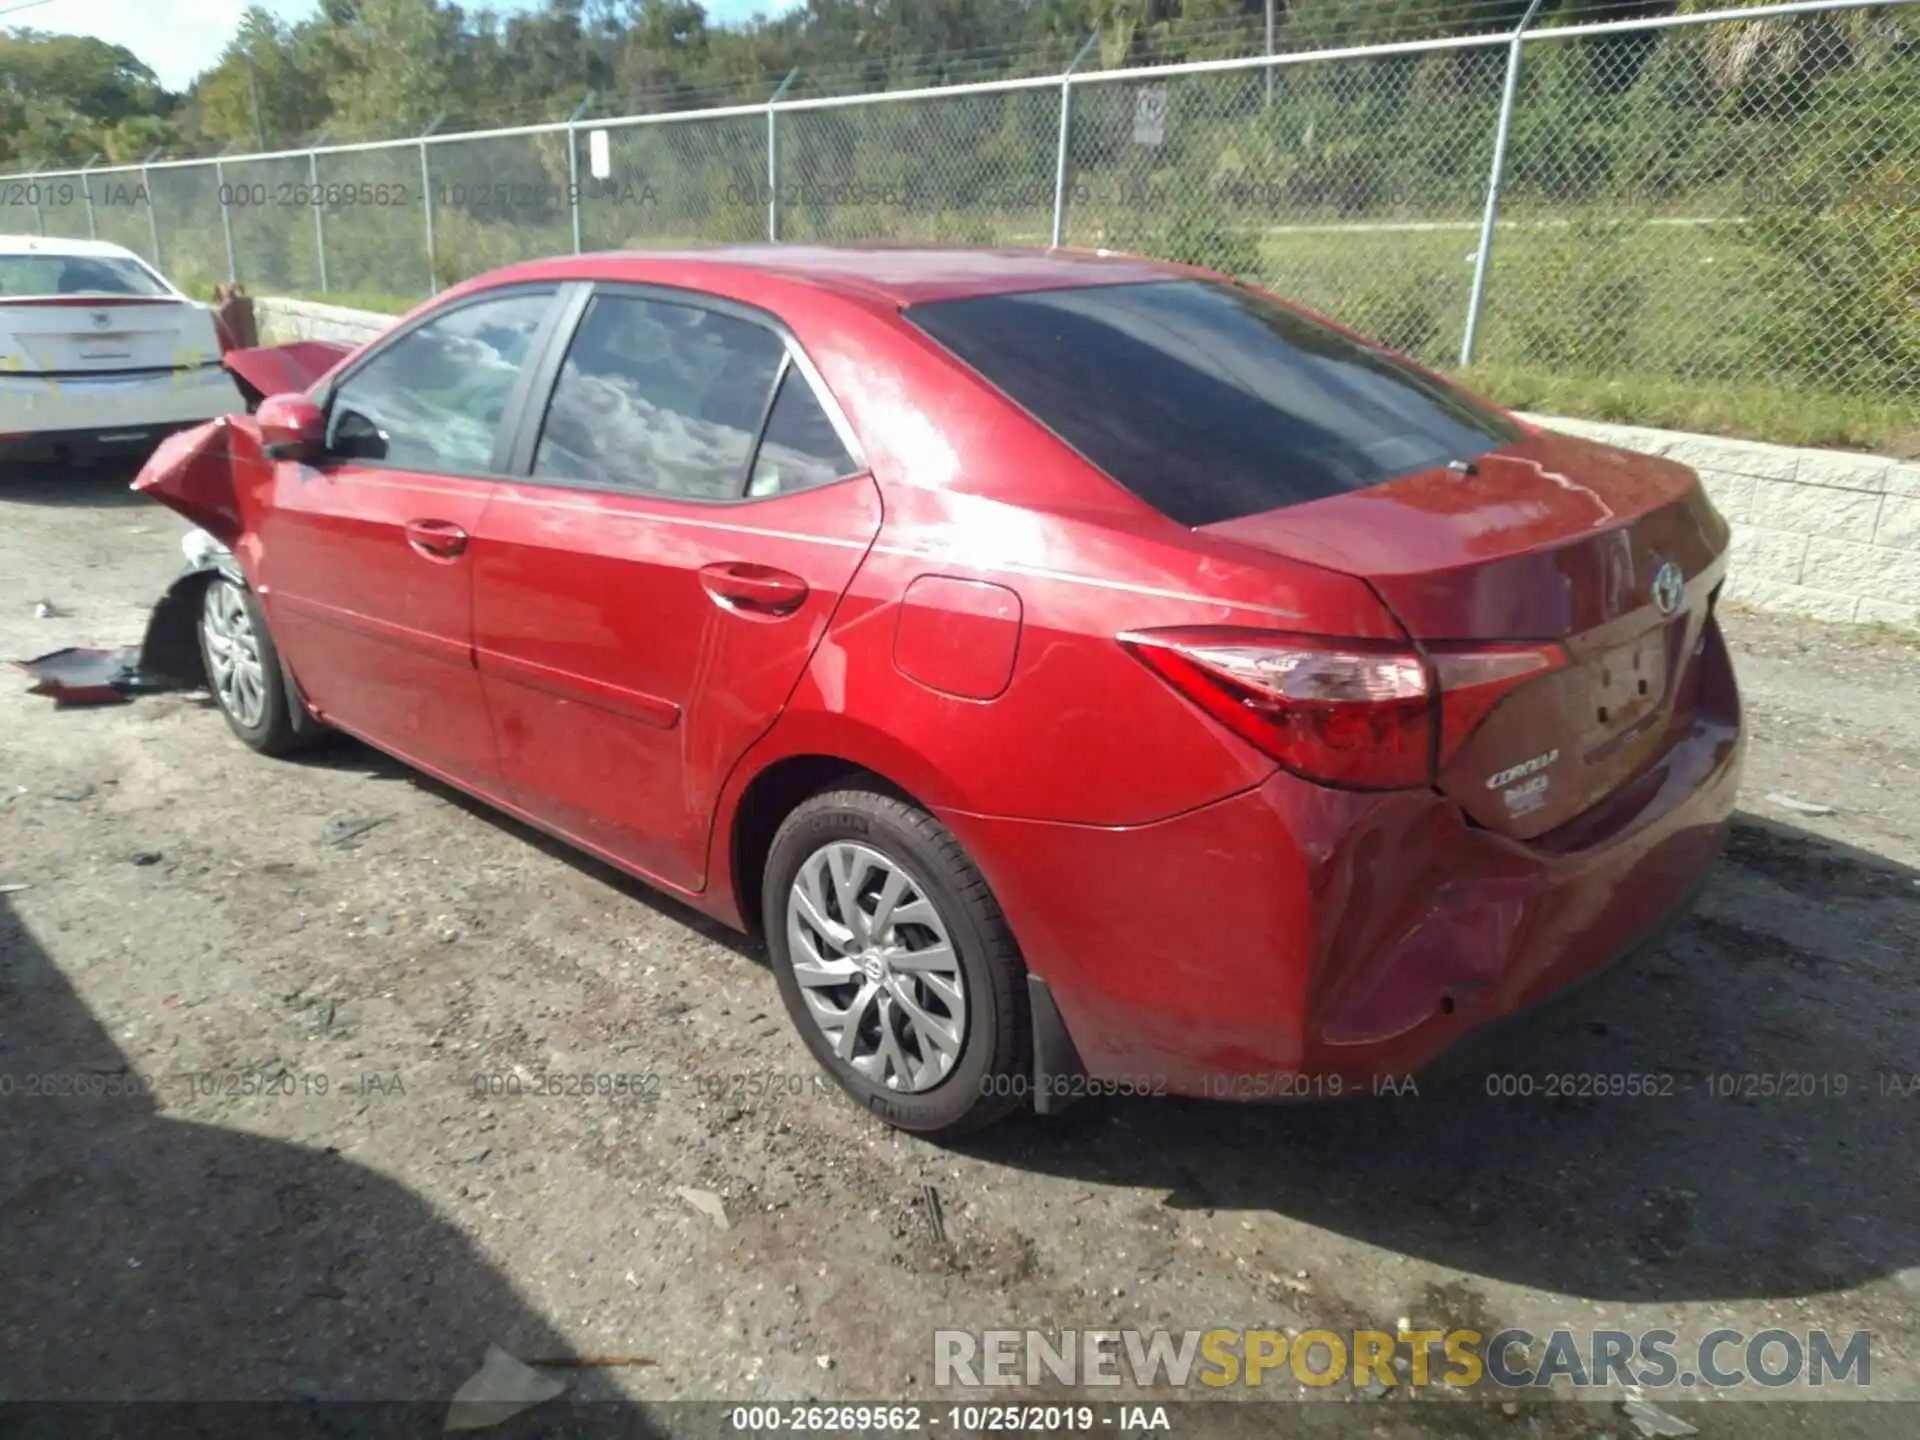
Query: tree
[[267, 90], [401, 65], [61, 95]]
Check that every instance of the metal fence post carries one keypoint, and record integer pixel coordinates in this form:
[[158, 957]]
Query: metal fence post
[[1066, 126], [226, 219], [573, 165], [153, 219], [319, 217], [773, 156], [1269, 53], [1477, 299], [426, 199], [86, 193]]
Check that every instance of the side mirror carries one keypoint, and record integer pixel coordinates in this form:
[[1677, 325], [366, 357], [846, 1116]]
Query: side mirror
[[292, 427]]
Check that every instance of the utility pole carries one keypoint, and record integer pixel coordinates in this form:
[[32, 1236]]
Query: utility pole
[[253, 92]]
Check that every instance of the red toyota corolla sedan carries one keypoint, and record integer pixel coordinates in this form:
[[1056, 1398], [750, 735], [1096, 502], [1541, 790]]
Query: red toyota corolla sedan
[[1089, 674]]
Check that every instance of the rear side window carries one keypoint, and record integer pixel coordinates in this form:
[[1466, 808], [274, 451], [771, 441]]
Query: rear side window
[[1209, 402], [659, 399], [800, 448]]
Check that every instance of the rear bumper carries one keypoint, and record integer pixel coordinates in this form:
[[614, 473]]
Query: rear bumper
[[46, 418], [1298, 941]]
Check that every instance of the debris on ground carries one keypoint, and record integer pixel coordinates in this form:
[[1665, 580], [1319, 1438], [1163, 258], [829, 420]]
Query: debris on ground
[[706, 1202], [15, 889], [47, 610], [146, 857], [499, 1390], [344, 832], [81, 676], [1799, 807], [85, 677], [592, 1362], [73, 793], [1653, 1422], [936, 1221]]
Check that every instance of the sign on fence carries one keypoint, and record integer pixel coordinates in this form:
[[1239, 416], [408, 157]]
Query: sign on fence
[[1150, 115], [599, 154]]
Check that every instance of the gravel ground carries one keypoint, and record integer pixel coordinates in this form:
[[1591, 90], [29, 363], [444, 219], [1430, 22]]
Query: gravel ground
[[190, 917]]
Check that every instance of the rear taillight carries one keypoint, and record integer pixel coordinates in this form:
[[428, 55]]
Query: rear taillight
[[1365, 714], [1343, 712]]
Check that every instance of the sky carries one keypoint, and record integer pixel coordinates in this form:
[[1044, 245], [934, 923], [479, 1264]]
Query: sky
[[180, 38]]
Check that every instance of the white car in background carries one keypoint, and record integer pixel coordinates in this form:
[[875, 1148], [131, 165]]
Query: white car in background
[[99, 354]]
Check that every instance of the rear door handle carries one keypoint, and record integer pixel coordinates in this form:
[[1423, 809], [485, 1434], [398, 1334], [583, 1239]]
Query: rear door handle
[[436, 539], [754, 589]]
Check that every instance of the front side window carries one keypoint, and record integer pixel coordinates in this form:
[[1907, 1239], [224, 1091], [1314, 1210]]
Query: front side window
[[659, 399], [1209, 402], [433, 399]]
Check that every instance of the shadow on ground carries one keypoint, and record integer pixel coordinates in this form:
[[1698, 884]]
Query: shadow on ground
[[350, 756], [1746, 1173], [154, 1259], [1771, 1154], [101, 487]]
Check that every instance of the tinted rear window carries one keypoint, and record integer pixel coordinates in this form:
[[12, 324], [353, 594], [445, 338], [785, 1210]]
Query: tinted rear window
[[1207, 401], [42, 275]]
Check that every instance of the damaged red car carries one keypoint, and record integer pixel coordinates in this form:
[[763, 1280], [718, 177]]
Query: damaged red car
[[1090, 675]]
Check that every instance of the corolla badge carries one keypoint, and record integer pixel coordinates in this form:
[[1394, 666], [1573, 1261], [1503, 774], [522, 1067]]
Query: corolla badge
[[1522, 770], [1669, 588]]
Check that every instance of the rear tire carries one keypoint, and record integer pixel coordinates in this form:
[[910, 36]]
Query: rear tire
[[917, 1003], [245, 674]]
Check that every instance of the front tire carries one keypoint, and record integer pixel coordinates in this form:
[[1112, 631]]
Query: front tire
[[896, 964], [244, 673]]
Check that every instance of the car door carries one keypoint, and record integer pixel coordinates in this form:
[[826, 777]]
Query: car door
[[646, 599], [363, 559]]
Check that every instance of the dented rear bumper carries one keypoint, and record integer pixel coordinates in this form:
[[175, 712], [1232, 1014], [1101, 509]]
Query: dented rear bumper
[[1294, 941]]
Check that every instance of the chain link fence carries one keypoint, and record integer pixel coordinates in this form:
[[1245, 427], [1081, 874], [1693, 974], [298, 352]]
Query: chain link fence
[[1712, 209]]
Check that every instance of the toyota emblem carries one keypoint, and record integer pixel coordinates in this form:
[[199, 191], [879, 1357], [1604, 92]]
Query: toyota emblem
[[1669, 588]]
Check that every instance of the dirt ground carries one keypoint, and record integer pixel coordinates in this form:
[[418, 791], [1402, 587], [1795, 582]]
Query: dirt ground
[[306, 1190]]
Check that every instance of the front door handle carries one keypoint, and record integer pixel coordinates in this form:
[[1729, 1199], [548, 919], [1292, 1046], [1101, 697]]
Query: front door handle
[[436, 539], [751, 589]]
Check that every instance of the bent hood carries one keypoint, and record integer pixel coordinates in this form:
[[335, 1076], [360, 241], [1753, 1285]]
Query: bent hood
[[283, 369]]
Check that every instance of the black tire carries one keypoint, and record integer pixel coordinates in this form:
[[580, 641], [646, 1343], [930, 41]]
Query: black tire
[[988, 1078], [283, 724]]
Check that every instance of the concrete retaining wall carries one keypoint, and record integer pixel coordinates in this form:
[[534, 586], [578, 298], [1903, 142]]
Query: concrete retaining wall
[[283, 321], [1823, 533]]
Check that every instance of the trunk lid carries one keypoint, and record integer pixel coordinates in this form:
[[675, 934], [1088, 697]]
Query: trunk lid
[[1613, 556], [105, 334]]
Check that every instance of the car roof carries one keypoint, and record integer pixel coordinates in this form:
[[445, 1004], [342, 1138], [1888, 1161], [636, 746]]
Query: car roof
[[56, 245], [896, 274]]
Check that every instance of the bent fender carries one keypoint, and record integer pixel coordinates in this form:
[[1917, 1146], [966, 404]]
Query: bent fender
[[193, 473]]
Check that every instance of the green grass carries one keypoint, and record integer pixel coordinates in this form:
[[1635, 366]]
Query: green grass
[[1753, 411]]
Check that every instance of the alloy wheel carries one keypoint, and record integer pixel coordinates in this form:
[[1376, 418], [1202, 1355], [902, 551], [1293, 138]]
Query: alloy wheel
[[876, 967], [234, 669]]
